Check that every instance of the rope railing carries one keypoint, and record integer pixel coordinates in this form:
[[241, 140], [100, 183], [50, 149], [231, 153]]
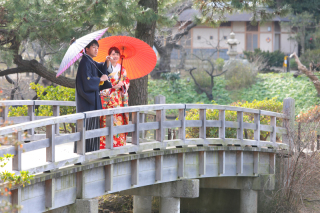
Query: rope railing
[[52, 139]]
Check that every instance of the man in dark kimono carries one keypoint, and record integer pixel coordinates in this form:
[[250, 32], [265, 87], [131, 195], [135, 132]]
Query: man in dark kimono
[[89, 75]]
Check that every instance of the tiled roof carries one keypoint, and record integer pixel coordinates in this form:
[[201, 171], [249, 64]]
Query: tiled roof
[[188, 15]]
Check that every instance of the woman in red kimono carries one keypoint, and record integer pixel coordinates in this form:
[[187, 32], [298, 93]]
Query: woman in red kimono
[[115, 97]]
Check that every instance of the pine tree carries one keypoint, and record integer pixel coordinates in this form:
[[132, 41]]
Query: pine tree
[[52, 23]]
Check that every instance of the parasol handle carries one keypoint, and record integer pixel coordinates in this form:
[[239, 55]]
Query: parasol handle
[[121, 68]]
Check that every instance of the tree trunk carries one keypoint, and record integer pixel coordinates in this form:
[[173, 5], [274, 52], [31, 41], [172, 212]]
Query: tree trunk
[[314, 79], [138, 92], [165, 60], [166, 50]]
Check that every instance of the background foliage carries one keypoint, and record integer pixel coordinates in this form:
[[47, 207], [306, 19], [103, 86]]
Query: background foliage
[[58, 93], [272, 59], [267, 86], [213, 132]]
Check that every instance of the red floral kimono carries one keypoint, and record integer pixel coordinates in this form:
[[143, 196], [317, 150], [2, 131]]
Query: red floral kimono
[[114, 98]]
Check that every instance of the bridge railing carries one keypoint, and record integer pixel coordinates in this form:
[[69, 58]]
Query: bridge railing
[[31, 104], [52, 140]]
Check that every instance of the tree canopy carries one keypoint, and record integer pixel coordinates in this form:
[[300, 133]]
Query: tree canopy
[[300, 6], [52, 23]]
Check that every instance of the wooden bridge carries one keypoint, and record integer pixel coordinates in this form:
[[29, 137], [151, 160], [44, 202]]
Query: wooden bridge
[[170, 169]]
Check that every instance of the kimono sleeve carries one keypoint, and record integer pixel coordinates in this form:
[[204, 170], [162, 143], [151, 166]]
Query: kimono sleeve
[[103, 67], [126, 82], [106, 85], [90, 83]]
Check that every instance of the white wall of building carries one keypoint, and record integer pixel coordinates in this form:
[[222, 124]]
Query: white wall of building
[[205, 34], [264, 44], [224, 31], [242, 39], [239, 28]]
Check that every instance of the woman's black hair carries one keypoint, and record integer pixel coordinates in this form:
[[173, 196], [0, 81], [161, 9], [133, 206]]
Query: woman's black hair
[[115, 49], [92, 43]]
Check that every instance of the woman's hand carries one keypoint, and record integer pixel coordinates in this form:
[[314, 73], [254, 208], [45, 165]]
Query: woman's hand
[[108, 59], [119, 85]]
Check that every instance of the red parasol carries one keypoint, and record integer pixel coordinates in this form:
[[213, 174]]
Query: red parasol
[[139, 59]]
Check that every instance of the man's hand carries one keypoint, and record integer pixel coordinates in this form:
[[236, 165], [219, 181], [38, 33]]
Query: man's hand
[[104, 78]]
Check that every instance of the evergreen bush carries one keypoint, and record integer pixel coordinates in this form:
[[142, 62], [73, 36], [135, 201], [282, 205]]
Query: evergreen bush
[[273, 59], [213, 132]]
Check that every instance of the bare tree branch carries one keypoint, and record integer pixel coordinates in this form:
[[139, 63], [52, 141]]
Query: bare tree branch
[[307, 72], [36, 67]]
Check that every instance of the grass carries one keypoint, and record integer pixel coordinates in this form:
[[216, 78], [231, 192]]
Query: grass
[[282, 86]]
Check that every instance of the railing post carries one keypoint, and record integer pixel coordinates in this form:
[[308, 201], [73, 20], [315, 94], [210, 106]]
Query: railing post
[[222, 162], [240, 129], [202, 162], [135, 134], [273, 134], [256, 162], [16, 161], [289, 111], [109, 137], [31, 116], [142, 118], [239, 157], [81, 144], [56, 112], [257, 130], [160, 99], [182, 129], [159, 167], [109, 177], [50, 186], [222, 129], [16, 197], [203, 128], [5, 111], [80, 184], [134, 172], [50, 151], [181, 166], [160, 117]]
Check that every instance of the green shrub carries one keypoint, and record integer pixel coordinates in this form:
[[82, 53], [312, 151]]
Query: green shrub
[[186, 93], [273, 59], [219, 64], [173, 80], [293, 64], [58, 93], [310, 56], [239, 74], [213, 132], [282, 85]]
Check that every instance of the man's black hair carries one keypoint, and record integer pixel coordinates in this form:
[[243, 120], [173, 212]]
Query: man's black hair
[[92, 43]]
